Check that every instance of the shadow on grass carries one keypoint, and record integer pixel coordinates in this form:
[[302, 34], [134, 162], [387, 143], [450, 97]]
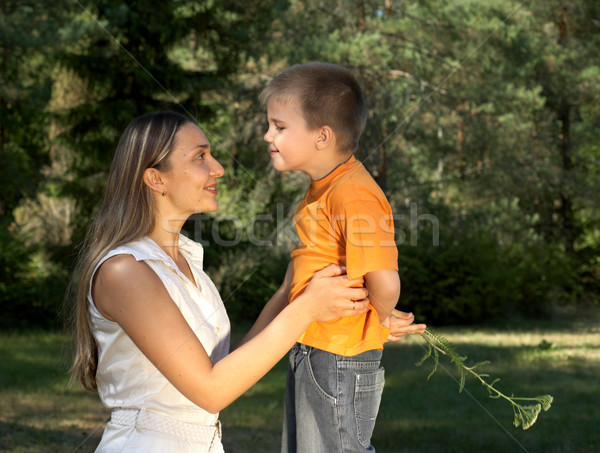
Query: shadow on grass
[[252, 440], [253, 422], [560, 319], [20, 437], [39, 411], [418, 415]]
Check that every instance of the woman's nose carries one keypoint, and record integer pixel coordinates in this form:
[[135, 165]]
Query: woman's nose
[[217, 169]]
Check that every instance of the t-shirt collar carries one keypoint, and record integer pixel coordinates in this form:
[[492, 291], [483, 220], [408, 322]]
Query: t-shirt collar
[[323, 182]]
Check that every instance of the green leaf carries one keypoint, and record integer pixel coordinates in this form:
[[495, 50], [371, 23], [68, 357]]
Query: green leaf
[[525, 415]]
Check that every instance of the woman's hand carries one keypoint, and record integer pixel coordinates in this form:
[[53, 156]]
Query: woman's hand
[[330, 295], [401, 323]]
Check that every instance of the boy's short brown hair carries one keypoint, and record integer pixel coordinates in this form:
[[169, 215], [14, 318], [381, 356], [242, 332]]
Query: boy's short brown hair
[[327, 95]]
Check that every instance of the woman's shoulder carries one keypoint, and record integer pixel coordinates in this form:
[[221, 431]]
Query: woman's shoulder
[[124, 262], [123, 269], [123, 281]]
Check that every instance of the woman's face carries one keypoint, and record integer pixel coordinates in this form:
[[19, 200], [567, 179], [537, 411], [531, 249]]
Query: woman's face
[[191, 181]]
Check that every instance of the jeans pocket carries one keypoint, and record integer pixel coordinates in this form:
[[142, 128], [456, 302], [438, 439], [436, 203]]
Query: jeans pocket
[[367, 397], [321, 369]]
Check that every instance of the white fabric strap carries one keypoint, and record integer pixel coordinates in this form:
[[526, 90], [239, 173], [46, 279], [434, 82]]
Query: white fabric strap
[[142, 419]]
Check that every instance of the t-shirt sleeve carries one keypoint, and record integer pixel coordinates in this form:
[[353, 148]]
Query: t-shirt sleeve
[[368, 230]]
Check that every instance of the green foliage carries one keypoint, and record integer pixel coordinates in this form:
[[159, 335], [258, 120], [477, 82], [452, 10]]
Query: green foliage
[[31, 286], [30, 291], [27, 41], [247, 280], [473, 278], [525, 415], [482, 114]]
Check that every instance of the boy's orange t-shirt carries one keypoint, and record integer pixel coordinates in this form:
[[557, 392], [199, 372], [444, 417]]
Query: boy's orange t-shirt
[[345, 219]]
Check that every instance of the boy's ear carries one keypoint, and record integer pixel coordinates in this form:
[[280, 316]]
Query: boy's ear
[[325, 137], [153, 180]]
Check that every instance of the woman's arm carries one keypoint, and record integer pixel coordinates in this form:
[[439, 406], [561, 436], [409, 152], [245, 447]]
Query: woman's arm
[[152, 320]]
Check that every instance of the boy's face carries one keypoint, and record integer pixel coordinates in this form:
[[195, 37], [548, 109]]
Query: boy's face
[[291, 144]]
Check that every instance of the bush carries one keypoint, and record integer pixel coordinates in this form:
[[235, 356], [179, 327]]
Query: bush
[[473, 279], [30, 296]]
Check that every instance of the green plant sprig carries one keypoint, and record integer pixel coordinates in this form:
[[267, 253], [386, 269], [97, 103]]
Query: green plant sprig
[[525, 415]]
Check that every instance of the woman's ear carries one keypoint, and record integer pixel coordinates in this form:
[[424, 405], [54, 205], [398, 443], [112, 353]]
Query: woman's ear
[[154, 181], [325, 137]]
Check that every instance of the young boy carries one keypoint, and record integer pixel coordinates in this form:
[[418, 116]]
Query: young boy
[[316, 114]]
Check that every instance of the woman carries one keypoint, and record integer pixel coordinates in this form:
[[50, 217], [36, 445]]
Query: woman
[[152, 334]]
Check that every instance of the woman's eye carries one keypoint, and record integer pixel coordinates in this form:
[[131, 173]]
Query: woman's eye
[[201, 156]]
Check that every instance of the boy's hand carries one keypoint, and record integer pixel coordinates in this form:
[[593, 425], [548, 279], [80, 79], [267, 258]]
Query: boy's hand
[[401, 324]]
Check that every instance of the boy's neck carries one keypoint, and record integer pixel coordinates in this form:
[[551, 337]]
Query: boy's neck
[[329, 165]]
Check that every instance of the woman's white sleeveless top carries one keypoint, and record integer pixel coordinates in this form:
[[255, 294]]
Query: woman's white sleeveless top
[[127, 379]]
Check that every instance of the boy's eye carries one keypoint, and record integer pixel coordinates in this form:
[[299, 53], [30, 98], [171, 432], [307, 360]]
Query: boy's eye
[[201, 156]]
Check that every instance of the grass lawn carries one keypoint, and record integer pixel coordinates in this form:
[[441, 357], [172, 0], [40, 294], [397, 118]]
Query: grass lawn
[[39, 412]]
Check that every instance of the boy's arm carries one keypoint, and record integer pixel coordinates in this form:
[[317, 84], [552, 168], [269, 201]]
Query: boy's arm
[[384, 290]]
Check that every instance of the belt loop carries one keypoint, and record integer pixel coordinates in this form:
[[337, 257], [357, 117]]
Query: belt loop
[[138, 419]]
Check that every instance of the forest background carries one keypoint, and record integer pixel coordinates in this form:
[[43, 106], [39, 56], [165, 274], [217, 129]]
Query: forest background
[[483, 132]]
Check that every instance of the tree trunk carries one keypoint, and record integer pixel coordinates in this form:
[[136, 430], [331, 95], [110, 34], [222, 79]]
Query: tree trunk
[[565, 210]]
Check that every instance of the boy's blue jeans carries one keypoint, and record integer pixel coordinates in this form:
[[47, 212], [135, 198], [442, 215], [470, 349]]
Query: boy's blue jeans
[[331, 401]]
